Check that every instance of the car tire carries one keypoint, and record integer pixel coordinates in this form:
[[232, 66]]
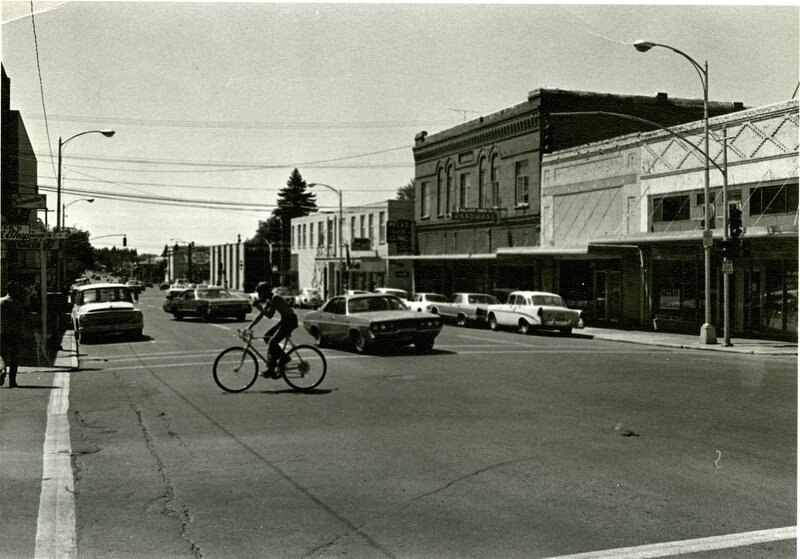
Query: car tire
[[319, 339], [461, 320], [493, 326], [207, 316], [240, 317], [565, 331], [524, 328], [435, 310], [424, 345], [359, 342], [178, 315]]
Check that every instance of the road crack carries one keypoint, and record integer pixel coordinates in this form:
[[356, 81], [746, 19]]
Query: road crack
[[172, 507], [469, 475]]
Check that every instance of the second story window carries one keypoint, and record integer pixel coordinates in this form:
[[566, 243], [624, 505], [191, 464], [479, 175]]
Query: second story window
[[779, 199], [482, 182], [671, 208], [450, 194], [424, 201], [363, 229], [352, 228], [521, 180], [371, 234], [463, 190], [494, 177], [382, 227], [310, 235], [439, 193]]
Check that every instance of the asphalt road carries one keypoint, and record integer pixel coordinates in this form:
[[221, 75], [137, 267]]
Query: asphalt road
[[494, 445]]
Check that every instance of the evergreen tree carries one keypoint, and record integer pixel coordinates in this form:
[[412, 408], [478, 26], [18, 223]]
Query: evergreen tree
[[293, 200], [406, 192]]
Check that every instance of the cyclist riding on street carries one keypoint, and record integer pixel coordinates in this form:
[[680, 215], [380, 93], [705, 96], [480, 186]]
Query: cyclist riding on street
[[268, 303]]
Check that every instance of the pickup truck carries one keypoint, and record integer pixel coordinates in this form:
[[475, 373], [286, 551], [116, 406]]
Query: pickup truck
[[467, 308]]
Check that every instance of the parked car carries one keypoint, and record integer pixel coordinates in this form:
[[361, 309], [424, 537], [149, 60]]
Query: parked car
[[105, 308], [533, 310], [401, 293], [207, 303], [178, 288], [308, 297], [372, 321], [356, 292], [427, 302], [468, 308]]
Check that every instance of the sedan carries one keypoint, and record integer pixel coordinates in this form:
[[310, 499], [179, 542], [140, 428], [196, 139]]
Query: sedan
[[105, 308], [533, 310], [372, 321], [207, 303]]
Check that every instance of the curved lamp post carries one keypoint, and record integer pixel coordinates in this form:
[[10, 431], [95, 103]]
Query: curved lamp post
[[707, 333], [341, 244], [65, 206], [59, 224]]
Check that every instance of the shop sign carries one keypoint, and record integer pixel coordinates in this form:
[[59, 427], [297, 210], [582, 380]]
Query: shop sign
[[29, 201], [474, 214], [16, 232]]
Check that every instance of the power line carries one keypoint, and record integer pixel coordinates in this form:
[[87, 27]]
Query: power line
[[41, 90], [226, 166], [246, 125]]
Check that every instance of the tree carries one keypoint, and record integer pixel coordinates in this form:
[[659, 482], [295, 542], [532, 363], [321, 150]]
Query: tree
[[406, 192], [293, 200]]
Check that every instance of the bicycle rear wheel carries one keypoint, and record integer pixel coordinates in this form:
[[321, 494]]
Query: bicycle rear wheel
[[235, 369], [306, 368]]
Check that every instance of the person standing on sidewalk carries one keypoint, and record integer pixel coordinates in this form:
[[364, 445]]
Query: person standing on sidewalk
[[10, 332]]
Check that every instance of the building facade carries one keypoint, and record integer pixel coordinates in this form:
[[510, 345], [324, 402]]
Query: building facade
[[478, 212], [623, 220], [359, 258]]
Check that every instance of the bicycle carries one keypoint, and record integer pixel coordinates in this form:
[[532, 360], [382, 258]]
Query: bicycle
[[236, 369]]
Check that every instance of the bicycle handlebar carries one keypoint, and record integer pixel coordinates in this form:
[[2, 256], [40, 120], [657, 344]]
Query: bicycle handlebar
[[246, 334]]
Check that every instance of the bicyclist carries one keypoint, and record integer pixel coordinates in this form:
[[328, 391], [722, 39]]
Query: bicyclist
[[268, 303]]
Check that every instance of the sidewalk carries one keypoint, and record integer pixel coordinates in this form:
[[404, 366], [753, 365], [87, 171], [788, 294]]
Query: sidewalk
[[687, 341]]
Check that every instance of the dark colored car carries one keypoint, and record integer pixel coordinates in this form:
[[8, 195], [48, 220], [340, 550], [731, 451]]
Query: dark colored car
[[372, 321], [207, 303]]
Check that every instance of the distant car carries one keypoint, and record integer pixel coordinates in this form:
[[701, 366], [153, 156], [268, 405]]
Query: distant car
[[208, 303], [534, 310], [285, 293], [372, 321], [401, 293], [468, 308], [178, 288], [308, 297], [105, 308], [427, 302]]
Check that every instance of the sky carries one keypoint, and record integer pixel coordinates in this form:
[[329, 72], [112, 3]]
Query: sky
[[214, 104]]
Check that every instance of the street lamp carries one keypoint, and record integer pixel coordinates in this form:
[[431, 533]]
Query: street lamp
[[707, 333], [61, 144], [59, 224], [65, 206], [341, 244]]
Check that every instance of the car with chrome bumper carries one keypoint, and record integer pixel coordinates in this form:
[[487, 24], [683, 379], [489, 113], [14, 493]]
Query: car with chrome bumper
[[534, 310], [207, 303], [370, 322], [103, 309]]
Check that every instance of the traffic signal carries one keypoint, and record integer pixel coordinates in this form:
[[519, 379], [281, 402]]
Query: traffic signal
[[124, 241], [547, 137], [735, 222]]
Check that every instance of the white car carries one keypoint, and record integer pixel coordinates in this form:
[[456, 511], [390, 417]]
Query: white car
[[401, 293], [308, 297], [105, 308], [426, 302], [531, 310]]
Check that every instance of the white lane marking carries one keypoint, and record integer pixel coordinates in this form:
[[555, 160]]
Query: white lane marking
[[221, 326], [669, 549], [55, 530]]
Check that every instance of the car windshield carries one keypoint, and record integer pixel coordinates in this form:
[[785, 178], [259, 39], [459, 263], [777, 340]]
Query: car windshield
[[212, 294], [106, 295], [483, 300], [372, 304], [548, 300]]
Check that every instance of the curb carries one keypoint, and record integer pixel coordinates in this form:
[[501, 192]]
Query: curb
[[67, 356], [712, 347]]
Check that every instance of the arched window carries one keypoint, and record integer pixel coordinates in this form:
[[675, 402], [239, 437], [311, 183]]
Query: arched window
[[482, 182], [450, 186], [495, 178], [439, 197]]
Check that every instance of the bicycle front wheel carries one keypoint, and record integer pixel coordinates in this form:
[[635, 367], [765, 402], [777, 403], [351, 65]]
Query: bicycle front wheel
[[235, 369], [305, 369]]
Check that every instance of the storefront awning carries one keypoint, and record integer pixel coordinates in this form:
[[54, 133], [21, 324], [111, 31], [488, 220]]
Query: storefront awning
[[543, 251], [421, 257]]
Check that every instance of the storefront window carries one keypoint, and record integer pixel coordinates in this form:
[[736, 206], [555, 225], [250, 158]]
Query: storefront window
[[780, 305]]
